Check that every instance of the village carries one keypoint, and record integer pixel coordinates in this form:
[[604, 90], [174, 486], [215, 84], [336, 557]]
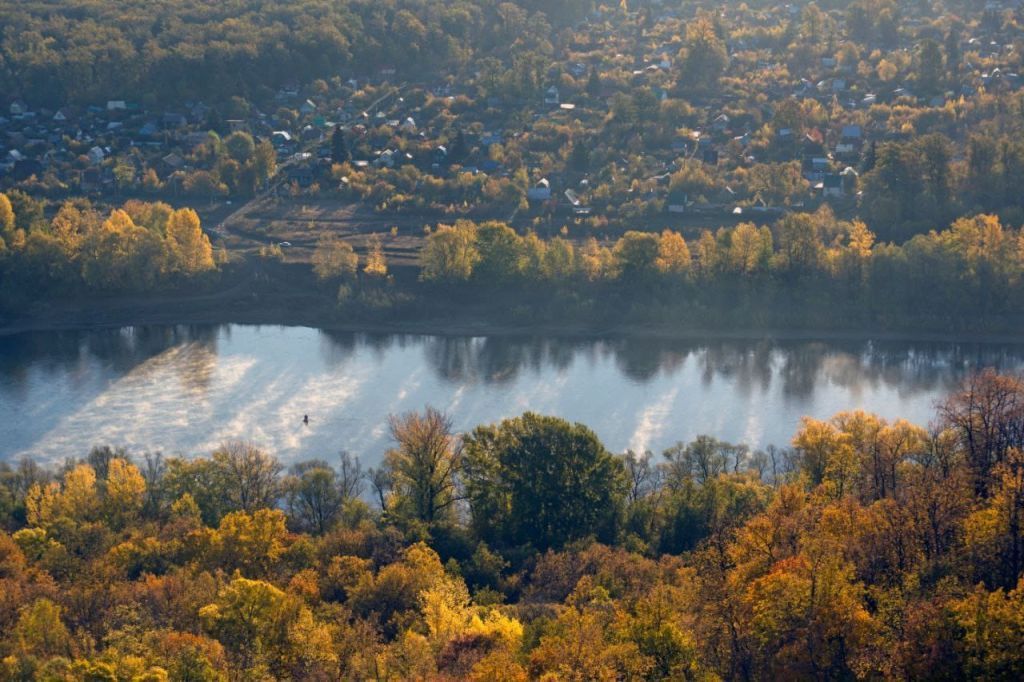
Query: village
[[606, 137]]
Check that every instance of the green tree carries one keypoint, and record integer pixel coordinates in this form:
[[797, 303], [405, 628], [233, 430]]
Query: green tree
[[929, 66], [704, 57], [240, 146], [339, 150], [543, 482], [637, 255], [314, 496], [500, 250]]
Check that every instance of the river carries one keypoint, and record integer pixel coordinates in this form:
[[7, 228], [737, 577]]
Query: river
[[186, 389]]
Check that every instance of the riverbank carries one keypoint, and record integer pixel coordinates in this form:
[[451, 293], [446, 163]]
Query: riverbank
[[312, 310]]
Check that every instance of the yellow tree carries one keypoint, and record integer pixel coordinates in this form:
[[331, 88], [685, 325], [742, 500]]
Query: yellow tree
[[423, 465], [582, 645], [376, 262], [750, 248], [707, 254], [992, 623], [125, 491], [334, 258], [40, 631], [450, 253], [673, 254], [6, 217], [76, 499], [995, 533], [596, 261], [559, 259], [251, 618], [190, 246], [826, 455]]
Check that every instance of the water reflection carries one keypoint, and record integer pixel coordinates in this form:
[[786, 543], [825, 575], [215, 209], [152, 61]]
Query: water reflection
[[185, 388]]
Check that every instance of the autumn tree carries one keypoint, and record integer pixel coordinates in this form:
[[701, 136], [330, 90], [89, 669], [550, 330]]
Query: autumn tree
[[334, 258], [704, 58], [314, 496], [376, 263], [423, 466], [673, 255], [6, 218], [987, 417], [188, 242], [250, 475], [450, 253]]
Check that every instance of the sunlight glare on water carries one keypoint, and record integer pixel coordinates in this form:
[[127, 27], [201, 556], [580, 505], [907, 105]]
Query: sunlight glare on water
[[184, 390]]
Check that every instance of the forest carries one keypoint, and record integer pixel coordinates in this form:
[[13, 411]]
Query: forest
[[866, 549]]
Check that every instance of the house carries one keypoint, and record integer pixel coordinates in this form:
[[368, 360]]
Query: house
[[676, 202], [18, 108], [96, 155], [721, 123], [814, 168], [540, 192], [117, 105], [409, 125], [852, 133], [172, 162], [194, 139], [386, 159], [832, 185], [308, 107], [62, 116], [90, 179], [850, 179], [551, 96], [287, 92], [173, 120], [282, 139], [440, 156]]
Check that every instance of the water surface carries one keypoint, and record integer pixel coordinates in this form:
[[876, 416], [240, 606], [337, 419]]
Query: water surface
[[185, 389]]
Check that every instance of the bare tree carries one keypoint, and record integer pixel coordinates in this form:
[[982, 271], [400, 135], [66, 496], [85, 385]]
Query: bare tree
[[351, 476], [251, 475], [382, 483], [644, 476], [987, 415]]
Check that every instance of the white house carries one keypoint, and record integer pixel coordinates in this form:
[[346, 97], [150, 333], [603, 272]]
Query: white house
[[96, 155], [540, 192]]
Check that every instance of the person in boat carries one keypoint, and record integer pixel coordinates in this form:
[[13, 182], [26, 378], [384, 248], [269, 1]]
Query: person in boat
[[305, 419]]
